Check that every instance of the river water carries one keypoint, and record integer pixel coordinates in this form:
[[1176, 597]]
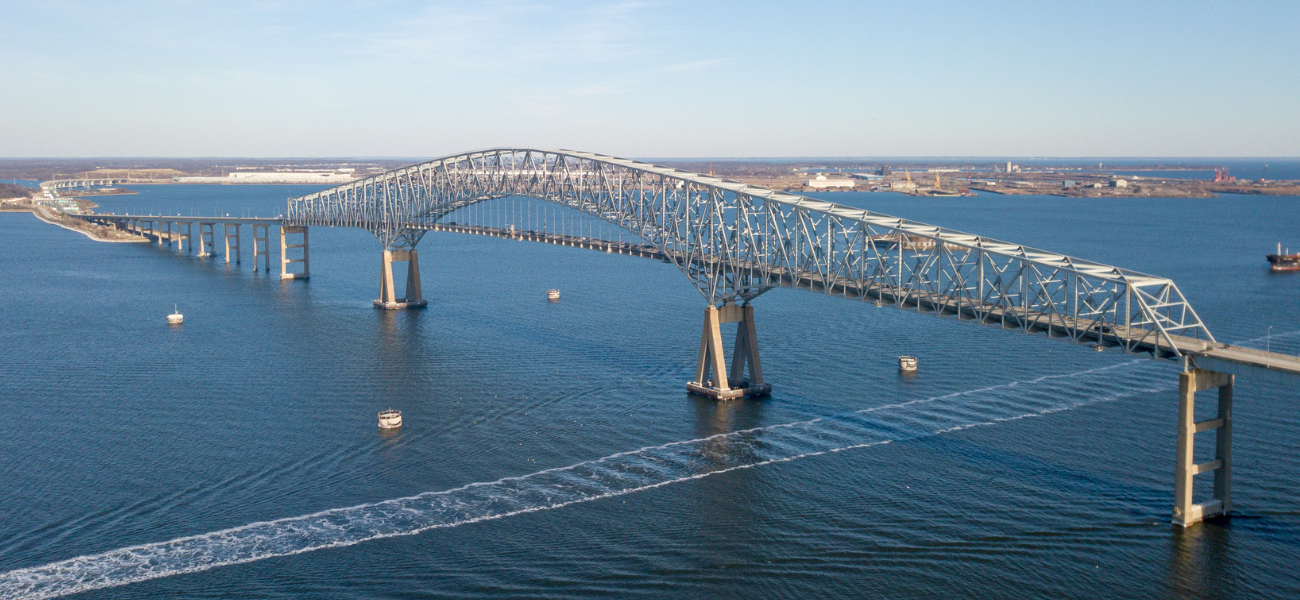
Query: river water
[[550, 450]]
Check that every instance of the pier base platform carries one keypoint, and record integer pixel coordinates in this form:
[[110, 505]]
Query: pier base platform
[[744, 390], [401, 304]]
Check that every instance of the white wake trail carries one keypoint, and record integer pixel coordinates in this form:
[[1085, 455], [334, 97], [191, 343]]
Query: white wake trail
[[613, 475]]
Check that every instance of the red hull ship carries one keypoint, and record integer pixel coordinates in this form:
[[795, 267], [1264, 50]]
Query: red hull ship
[[1284, 262]]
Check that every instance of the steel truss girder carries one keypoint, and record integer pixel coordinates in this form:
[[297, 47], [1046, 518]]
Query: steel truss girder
[[735, 241]]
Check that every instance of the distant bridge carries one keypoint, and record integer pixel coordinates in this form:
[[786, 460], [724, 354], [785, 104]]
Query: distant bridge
[[92, 182], [735, 242]]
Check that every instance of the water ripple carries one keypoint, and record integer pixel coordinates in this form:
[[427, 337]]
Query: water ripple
[[613, 475]]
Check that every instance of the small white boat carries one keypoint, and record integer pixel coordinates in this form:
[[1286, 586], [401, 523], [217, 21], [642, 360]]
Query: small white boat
[[907, 363], [176, 318], [552, 294], [390, 419]]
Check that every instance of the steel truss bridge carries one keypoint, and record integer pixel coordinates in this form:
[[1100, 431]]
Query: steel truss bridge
[[734, 242]]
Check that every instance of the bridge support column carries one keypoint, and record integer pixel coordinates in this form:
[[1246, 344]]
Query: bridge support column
[[284, 253], [228, 227], [387, 293], [261, 246], [711, 376], [189, 236], [207, 239], [1186, 512]]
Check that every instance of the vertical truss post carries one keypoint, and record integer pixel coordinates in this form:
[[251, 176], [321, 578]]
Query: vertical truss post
[[1187, 512], [711, 376]]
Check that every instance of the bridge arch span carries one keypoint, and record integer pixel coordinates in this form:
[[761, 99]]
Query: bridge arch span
[[735, 241]]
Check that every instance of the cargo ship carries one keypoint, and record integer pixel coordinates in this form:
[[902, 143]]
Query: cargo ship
[[1284, 262]]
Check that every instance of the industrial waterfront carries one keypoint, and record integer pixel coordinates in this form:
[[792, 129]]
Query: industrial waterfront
[[1008, 466]]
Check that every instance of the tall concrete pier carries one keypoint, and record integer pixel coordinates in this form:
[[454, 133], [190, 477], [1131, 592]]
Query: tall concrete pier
[[387, 293], [1186, 511], [712, 378], [261, 246], [207, 245], [228, 235], [285, 247]]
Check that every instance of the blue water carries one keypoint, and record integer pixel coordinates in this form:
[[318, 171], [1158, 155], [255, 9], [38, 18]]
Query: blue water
[[1011, 466]]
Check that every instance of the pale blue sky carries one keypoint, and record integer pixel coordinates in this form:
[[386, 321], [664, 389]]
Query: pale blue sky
[[649, 79]]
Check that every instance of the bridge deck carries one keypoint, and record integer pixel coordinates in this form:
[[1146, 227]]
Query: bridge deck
[[1214, 356], [1224, 358], [526, 235], [180, 219]]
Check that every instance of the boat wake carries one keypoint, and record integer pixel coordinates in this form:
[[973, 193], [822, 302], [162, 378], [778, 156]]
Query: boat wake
[[614, 475]]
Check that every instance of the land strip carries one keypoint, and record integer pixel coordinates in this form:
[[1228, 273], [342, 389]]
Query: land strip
[[94, 231]]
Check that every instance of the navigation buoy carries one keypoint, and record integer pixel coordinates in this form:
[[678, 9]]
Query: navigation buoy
[[176, 318], [907, 363], [552, 294], [390, 419]]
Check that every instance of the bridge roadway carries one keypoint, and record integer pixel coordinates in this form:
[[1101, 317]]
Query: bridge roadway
[[89, 182], [1214, 356], [205, 241], [1274, 367], [736, 242]]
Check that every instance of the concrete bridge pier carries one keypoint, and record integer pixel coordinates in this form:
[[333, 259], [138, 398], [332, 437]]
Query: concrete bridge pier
[[712, 378], [207, 239], [178, 238], [285, 247], [1186, 512], [228, 235], [261, 246], [387, 294]]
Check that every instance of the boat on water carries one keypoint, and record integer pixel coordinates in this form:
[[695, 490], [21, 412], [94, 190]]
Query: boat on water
[[390, 419], [176, 318], [907, 363], [552, 294], [1284, 262]]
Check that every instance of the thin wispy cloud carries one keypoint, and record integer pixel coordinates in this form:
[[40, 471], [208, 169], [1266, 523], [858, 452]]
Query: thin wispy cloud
[[512, 35], [698, 65]]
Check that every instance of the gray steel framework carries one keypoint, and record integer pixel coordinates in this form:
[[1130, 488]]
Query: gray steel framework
[[735, 241]]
